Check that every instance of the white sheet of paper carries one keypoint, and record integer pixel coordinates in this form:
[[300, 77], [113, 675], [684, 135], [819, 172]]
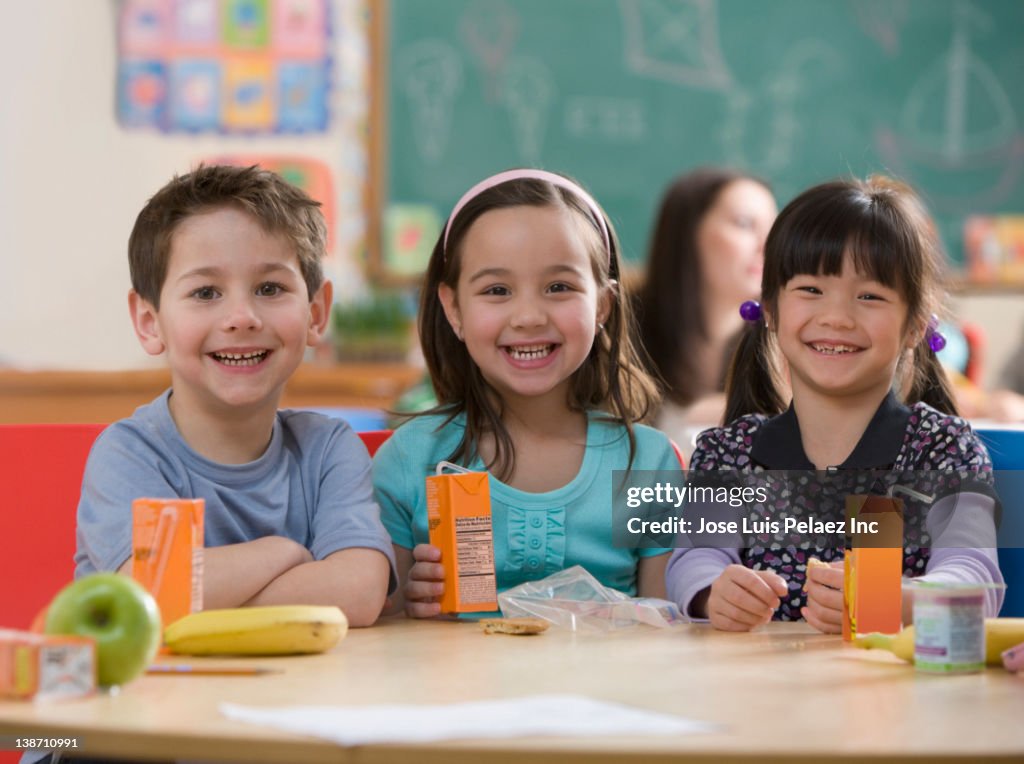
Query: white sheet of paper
[[568, 715]]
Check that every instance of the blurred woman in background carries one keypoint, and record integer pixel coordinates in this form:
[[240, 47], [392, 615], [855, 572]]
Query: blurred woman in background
[[704, 259]]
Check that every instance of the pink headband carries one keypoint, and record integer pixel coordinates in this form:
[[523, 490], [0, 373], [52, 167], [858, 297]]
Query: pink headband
[[552, 178]]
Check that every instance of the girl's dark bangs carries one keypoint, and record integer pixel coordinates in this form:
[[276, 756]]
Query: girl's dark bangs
[[880, 255], [821, 244]]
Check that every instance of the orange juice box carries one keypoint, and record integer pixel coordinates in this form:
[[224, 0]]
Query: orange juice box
[[167, 553], [459, 517], [46, 666], [873, 566]]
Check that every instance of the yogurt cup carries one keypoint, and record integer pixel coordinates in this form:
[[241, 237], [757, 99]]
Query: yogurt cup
[[949, 627]]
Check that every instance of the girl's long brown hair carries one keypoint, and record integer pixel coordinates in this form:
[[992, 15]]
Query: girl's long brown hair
[[611, 379]]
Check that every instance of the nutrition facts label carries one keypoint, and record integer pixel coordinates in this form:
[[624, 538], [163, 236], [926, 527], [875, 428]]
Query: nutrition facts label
[[476, 559]]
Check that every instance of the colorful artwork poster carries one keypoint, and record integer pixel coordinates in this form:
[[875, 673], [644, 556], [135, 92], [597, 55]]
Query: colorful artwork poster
[[311, 175], [994, 246], [410, 232], [231, 66]]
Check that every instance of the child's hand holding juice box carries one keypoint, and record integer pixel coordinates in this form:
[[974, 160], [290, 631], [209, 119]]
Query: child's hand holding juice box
[[459, 517]]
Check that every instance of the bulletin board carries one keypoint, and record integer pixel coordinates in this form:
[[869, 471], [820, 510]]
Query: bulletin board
[[229, 66]]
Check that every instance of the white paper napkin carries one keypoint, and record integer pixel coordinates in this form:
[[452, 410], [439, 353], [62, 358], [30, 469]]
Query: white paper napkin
[[569, 715]]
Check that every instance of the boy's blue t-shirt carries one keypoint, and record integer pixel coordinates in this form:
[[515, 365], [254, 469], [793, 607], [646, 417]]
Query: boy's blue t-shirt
[[535, 534], [312, 485]]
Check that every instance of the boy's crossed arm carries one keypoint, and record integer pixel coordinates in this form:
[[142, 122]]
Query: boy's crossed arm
[[275, 570], [235, 573], [355, 579]]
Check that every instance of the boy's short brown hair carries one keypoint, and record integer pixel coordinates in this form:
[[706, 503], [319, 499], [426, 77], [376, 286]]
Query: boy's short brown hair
[[278, 206]]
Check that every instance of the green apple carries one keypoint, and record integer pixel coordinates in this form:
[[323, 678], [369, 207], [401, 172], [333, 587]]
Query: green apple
[[119, 614]]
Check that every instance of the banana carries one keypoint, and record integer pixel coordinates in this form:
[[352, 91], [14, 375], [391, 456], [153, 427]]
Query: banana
[[1000, 634], [901, 645], [278, 630]]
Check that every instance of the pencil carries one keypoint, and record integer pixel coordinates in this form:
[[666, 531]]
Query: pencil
[[208, 670]]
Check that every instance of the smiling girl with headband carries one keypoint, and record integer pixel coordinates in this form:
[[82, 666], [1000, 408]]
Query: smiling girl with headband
[[528, 348], [851, 277]]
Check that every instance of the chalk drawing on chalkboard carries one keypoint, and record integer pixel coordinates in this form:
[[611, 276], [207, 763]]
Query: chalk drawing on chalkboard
[[780, 135], [605, 119], [490, 30], [882, 20], [430, 74], [959, 121], [675, 40], [528, 93]]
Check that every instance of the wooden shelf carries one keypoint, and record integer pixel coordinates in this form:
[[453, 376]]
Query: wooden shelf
[[106, 396], [963, 287]]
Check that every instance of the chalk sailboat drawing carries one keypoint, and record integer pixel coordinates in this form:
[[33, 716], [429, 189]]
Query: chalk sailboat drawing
[[959, 126]]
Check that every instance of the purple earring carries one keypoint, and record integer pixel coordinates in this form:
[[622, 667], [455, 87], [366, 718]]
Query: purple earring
[[936, 341], [751, 311]]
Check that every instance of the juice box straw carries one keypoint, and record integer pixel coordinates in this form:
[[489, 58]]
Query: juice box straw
[[162, 538]]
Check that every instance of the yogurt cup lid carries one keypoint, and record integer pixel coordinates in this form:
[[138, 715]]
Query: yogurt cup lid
[[951, 586]]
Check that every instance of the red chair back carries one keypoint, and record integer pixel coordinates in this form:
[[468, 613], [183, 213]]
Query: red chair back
[[41, 469], [679, 454], [373, 439]]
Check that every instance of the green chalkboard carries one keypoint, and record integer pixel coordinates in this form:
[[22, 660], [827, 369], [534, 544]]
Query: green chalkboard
[[625, 94]]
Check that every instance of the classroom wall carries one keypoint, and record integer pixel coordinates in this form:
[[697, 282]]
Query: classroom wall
[[72, 181]]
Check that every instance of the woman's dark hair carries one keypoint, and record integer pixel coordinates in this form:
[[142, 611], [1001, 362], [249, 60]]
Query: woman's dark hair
[[611, 378], [882, 225], [670, 304]]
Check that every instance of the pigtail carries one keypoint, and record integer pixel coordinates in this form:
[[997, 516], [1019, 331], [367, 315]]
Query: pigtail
[[922, 285], [751, 382], [929, 383]]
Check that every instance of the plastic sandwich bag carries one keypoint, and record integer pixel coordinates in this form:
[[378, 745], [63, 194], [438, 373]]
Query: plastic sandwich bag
[[575, 600]]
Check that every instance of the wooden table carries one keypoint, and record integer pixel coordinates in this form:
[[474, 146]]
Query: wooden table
[[782, 693]]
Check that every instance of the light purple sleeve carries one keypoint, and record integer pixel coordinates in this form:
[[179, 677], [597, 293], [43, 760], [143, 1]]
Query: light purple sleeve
[[691, 570], [963, 531]]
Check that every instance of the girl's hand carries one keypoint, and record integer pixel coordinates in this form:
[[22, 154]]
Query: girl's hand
[[742, 598], [425, 585], [824, 610]]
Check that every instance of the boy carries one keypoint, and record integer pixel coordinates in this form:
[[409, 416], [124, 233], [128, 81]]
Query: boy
[[227, 281]]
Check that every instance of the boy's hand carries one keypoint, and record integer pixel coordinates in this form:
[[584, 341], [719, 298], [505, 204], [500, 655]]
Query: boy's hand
[[742, 598], [425, 586], [824, 610]]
